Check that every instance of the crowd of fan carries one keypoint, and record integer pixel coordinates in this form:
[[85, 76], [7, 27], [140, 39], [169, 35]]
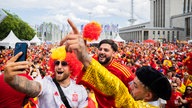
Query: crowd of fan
[[167, 58]]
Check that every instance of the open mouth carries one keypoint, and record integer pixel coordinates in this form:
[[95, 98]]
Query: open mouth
[[59, 72]]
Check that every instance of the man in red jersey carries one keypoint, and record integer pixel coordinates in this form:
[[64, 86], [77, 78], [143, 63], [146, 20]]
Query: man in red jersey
[[9, 97], [106, 54]]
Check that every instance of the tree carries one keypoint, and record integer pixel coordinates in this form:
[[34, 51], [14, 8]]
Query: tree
[[21, 29]]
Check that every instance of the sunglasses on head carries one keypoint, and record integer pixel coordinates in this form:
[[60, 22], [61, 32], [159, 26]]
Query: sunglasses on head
[[63, 63]]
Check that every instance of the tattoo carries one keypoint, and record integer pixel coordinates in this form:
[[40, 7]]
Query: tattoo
[[86, 59], [29, 87]]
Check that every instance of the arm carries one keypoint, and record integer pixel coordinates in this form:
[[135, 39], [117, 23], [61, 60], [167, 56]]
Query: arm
[[19, 83]]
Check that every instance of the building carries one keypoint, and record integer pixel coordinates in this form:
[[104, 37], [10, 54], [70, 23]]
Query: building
[[170, 20]]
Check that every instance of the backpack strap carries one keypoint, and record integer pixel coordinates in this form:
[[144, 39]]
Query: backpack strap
[[63, 97]]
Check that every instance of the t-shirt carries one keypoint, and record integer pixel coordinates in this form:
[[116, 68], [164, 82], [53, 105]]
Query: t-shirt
[[9, 97], [49, 96]]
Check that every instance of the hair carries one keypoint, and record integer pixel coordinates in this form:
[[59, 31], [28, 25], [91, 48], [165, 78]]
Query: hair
[[110, 42]]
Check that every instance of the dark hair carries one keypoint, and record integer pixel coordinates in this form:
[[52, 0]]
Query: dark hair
[[110, 42]]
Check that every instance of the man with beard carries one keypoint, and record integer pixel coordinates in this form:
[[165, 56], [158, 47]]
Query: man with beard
[[106, 53], [105, 56], [63, 64]]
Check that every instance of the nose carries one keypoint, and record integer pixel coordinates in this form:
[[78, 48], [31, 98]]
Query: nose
[[101, 51]]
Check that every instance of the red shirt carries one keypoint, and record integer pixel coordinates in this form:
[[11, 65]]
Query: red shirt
[[173, 99], [9, 97], [123, 72]]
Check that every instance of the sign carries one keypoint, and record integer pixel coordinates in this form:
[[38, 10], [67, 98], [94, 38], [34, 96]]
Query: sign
[[3, 15]]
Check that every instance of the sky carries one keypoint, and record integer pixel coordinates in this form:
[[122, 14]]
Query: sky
[[35, 12]]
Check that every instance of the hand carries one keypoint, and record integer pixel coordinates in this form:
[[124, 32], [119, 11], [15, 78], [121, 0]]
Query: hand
[[13, 68], [75, 42]]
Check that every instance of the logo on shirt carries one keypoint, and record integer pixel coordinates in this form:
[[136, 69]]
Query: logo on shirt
[[75, 97], [56, 93]]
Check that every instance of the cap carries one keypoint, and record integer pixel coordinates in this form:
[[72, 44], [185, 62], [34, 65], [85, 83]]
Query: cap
[[155, 80]]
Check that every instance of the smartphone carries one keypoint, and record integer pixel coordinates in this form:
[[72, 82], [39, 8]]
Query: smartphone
[[21, 47]]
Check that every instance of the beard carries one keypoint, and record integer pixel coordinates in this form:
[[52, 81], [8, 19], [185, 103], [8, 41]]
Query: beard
[[105, 61], [62, 77]]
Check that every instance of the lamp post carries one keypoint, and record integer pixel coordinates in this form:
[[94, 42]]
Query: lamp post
[[89, 16]]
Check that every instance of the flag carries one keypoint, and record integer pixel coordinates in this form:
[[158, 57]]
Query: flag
[[3, 15], [82, 26], [107, 28]]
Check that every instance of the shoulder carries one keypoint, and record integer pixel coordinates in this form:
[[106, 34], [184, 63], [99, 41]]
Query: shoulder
[[77, 86], [119, 66]]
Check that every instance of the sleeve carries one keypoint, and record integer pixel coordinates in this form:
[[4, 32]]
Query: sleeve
[[99, 78], [84, 102]]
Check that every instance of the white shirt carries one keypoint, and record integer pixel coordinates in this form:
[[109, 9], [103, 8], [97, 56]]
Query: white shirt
[[49, 96]]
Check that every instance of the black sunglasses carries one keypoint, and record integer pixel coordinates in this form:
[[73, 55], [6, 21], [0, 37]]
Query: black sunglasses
[[63, 63], [189, 89]]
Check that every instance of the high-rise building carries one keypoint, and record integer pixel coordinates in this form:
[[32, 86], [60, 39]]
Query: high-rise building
[[170, 20]]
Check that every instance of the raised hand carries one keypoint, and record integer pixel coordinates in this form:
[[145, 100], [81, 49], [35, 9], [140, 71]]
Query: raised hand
[[75, 42]]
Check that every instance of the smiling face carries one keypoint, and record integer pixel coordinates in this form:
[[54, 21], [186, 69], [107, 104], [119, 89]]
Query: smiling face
[[105, 54], [62, 71]]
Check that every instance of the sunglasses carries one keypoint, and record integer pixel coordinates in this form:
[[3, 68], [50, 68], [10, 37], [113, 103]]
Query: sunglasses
[[63, 63], [189, 89]]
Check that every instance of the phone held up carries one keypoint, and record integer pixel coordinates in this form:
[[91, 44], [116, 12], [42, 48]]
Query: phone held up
[[21, 47]]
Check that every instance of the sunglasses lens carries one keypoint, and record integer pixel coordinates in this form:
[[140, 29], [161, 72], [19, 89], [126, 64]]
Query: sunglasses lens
[[63, 63], [57, 63]]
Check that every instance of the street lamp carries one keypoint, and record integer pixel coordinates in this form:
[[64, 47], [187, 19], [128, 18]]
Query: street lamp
[[89, 16]]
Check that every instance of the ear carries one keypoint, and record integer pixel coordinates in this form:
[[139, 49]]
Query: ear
[[148, 96], [113, 54]]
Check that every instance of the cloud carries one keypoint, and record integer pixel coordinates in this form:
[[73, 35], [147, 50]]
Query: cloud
[[57, 11]]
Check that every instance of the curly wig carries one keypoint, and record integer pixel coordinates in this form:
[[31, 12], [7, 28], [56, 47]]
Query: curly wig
[[60, 53], [92, 31]]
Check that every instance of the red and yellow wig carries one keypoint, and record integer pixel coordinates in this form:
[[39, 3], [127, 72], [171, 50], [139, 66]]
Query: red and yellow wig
[[92, 31], [60, 53]]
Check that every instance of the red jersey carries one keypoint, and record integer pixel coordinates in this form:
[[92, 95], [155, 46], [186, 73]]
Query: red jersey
[[9, 97], [172, 102], [123, 72]]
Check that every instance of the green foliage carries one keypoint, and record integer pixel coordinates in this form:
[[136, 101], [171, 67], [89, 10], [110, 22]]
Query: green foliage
[[20, 28]]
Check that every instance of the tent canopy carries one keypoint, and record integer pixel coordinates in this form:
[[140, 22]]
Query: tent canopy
[[118, 39], [35, 40], [10, 40]]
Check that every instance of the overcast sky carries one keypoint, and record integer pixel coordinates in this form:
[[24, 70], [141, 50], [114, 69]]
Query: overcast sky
[[79, 11]]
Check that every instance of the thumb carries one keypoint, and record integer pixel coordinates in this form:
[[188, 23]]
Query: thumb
[[14, 58], [74, 28]]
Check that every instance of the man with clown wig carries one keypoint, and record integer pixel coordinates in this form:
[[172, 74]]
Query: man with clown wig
[[64, 66]]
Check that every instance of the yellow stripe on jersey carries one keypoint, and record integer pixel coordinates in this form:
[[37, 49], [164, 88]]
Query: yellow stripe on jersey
[[124, 70]]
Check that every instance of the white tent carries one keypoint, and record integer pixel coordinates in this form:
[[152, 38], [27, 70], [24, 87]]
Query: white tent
[[36, 40], [10, 40], [118, 39], [189, 41]]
